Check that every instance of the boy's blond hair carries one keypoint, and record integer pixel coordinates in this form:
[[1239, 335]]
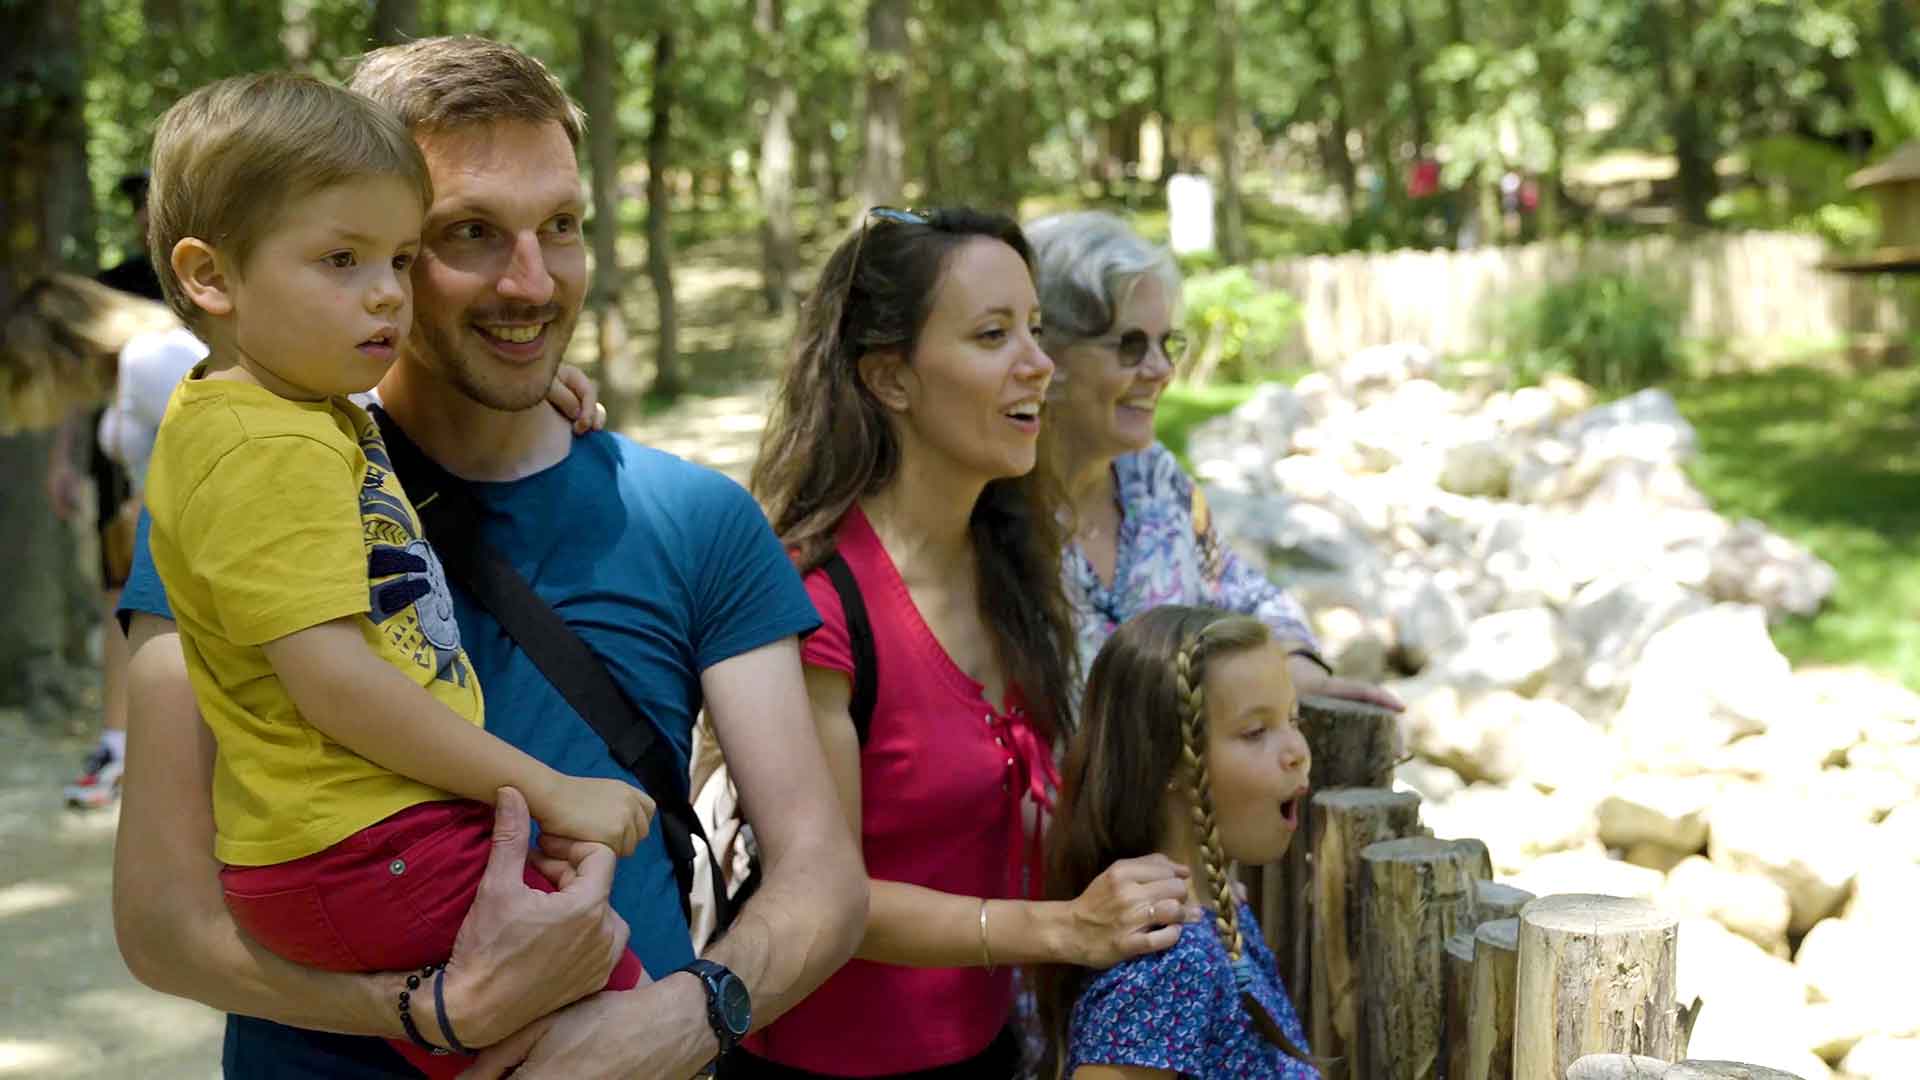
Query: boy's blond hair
[[229, 158]]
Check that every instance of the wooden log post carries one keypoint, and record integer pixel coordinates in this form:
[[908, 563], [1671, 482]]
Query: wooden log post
[[1491, 1005], [1414, 894], [1596, 976], [1354, 745], [1459, 965], [1343, 823], [1497, 901], [1617, 1067]]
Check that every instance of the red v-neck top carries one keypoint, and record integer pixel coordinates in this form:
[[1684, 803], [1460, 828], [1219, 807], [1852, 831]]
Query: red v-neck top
[[943, 777]]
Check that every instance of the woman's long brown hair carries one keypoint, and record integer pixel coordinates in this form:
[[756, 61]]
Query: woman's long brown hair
[[1143, 730], [829, 443]]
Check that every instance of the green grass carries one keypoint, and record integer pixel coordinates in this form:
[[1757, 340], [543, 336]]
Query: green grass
[[1829, 460]]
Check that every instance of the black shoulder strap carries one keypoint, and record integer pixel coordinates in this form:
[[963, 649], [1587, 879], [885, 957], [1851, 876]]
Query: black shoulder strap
[[866, 676], [451, 518]]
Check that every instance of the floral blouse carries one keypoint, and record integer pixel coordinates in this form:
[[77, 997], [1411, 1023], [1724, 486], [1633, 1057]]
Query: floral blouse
[[1165, 557]]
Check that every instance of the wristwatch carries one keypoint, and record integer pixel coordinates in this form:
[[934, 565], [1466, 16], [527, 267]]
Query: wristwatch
[[729, 1007]]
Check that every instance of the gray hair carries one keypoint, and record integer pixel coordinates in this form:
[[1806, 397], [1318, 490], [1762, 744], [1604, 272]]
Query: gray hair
[[1085, 264]]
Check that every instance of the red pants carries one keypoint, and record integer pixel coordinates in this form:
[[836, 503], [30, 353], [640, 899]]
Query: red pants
[[388, 898]]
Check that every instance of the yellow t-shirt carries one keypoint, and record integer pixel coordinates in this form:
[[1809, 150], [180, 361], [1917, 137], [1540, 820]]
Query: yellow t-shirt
[[271, 516]]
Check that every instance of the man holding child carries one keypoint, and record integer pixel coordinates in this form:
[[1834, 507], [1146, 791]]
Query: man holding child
[[667, 571]]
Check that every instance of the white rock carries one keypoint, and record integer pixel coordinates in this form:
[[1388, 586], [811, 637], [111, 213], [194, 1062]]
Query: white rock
[[1755, 1004], [1883, 1058], [1355, 646], [1646, 426], [1433, 783], [1898, 835], [1758, 566], [1319, 396], [1508, 650], [1264, 424], [1900, 763], [1570, 395], [1666, 810], [1518, 824], [1703, 681], [1291, 533], [1617, 1067], [1887, 712], [1810, 851], [1480, 467], [1381, 369], [1641, 486], [1585, 871], [1886, 899], [1867, 794], [1833, 1030], [1613, 618], [1867, 973], [1754, 907], [1428, 621]]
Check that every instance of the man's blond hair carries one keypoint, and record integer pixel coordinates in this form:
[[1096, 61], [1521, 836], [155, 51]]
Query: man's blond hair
[[441, 83], [231, 157]]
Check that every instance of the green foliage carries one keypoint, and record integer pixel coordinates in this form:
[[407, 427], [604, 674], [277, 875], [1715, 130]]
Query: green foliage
[[1236, 325], [1610, 330]]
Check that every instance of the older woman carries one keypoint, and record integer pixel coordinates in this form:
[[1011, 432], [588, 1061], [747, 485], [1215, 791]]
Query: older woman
[[1141, 534], [903, 443]]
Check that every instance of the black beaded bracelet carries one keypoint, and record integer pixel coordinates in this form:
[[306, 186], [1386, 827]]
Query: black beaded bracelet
[[440, 1006], [406, 1008]]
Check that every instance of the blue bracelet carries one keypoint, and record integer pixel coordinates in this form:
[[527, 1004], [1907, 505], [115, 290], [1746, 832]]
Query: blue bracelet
[[440, 1006]]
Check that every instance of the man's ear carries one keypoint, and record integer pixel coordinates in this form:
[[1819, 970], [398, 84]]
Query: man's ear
[[886, 375], [203, 276]]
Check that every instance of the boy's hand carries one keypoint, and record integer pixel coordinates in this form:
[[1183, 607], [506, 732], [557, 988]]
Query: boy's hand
[[574, 396], [610, 812]]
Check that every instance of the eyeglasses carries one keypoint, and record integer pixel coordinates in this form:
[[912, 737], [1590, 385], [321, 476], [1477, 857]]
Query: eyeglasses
[[1131, 347], [897, 216]]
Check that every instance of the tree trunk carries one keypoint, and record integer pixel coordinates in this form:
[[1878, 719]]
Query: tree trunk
[[598, 72], [1596, 976], [1343, 823], [1226, 129], [1333, 143], [1458, 963], [778, 101], [1160, 98], [395, 21], [1555, 112], [1376, 118], [666, 373], [1415, 893], [1693, 140], [1493, 900], [884, 152], [1419, 110]]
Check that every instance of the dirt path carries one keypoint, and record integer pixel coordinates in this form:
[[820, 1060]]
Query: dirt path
[[68, 1006]]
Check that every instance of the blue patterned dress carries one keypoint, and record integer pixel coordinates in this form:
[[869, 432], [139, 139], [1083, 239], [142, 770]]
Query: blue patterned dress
[[1163, 557], [1180, 1010]]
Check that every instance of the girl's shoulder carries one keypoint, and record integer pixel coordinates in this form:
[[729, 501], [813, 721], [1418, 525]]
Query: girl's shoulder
[[1157, 1010]]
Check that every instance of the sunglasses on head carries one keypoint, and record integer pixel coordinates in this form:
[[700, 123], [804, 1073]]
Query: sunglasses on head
[[1131, 347]]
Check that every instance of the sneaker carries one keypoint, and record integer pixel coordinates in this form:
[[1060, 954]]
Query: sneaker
[[99, 784]]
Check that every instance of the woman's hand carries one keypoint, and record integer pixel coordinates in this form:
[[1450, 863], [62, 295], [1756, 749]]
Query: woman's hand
[[1135, 906], [1310, 681], [574, 396]]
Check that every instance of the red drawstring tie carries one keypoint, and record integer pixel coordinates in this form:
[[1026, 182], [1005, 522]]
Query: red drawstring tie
[[1036, 777]]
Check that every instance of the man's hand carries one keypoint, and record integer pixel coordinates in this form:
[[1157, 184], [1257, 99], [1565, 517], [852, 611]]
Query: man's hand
[[522, 953], [657, 1031]]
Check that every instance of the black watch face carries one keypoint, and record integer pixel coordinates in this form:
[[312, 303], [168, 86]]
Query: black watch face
[[736, 1007]]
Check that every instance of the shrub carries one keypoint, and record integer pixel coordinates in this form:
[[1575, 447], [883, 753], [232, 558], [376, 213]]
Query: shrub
[[1235, 325], [1610, 330]]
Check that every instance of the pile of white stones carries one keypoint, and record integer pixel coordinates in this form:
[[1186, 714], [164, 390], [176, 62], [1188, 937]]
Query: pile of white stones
[[1592, 689]]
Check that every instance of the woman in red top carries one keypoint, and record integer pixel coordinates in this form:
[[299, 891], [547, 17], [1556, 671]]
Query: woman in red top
[[905, 438]]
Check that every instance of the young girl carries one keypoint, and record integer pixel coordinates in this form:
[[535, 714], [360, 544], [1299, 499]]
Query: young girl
[[1196, 705]]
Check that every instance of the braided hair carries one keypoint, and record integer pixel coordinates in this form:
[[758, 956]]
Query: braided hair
[[1151, 671]]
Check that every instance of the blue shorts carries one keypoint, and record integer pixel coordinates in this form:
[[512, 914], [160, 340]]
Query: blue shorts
[[263, 1050]]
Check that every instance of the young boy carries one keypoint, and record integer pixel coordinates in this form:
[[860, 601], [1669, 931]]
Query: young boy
[[351, 783]]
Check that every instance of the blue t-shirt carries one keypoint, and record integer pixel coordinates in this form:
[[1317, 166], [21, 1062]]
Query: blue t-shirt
[[1180, 1010], [664, 568]]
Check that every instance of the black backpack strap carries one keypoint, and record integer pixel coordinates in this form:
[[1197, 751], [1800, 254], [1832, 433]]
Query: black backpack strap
[[451, 518], [866, 675]]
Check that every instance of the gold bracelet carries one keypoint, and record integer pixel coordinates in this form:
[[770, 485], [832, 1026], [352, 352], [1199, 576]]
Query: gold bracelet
[[986, 952]]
